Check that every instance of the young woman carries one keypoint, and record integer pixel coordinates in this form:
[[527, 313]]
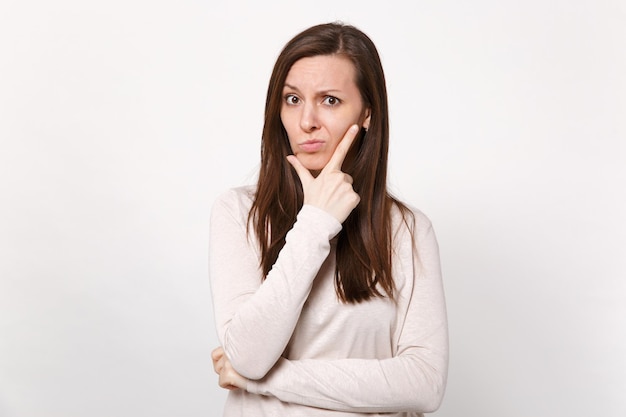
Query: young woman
[[327, 290]]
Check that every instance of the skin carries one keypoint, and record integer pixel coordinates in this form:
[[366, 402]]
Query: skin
[[321, 104], [228, 377]]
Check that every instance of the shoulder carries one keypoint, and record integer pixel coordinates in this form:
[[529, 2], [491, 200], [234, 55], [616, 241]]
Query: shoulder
[[238, 195], [235, 201], [409, 221], [414, 245]]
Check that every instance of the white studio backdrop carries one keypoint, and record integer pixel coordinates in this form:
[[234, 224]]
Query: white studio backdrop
[[121, 121]]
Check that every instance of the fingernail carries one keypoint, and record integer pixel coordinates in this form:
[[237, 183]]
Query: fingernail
[[354, 128]]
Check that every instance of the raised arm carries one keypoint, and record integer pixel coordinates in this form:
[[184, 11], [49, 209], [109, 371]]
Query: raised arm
[[255, 318]]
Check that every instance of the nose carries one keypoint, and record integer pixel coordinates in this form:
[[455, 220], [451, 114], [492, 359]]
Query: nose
[[308, 119]]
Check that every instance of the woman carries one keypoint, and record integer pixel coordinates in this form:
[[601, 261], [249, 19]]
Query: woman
[[327, 290]]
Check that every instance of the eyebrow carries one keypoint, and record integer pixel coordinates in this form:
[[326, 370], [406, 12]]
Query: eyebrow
[[321, 93]]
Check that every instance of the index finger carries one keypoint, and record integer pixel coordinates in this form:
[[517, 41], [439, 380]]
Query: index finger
[[342, 149]]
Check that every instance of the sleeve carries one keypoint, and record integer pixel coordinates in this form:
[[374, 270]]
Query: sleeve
[[255, 318], [413, 380]]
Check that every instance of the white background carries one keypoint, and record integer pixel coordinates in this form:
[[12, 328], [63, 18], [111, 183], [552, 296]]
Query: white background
[[121, 121]]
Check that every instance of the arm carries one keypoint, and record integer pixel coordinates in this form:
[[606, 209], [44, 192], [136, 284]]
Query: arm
[[414, 379], [255, 318]]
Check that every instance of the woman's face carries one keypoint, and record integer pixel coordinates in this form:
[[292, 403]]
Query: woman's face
[[320, 102]]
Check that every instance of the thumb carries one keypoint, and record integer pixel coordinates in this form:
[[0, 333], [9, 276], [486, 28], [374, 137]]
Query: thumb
[[303, 173]]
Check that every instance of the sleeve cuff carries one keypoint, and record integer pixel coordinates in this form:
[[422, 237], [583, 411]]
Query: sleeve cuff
[[319, 220], [252, 387]]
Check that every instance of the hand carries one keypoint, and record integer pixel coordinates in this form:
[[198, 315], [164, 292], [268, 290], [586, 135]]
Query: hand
[[229, 378], [332, 190]]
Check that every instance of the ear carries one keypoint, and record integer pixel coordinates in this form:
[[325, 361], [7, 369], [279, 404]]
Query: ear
[[366, 121]]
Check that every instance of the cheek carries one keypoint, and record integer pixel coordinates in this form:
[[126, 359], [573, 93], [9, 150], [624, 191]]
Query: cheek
[[285, 122], [338, 127], [288, 120]]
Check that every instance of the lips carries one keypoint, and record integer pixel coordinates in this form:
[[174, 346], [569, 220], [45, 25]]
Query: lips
[[312, 145]]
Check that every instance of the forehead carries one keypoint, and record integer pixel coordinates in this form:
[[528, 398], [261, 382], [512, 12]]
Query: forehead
[[322, 71]]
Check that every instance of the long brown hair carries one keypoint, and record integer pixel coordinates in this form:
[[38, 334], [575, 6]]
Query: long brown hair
[[364, 244]]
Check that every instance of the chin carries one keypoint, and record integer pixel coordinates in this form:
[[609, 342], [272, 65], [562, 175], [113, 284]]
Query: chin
[[314, 167], [313, 164]]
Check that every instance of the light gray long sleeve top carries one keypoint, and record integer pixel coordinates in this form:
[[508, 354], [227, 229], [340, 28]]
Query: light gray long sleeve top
[[305, 352]]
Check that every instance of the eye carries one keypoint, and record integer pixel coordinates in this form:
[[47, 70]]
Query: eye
[[292, 99], [331, 101]]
